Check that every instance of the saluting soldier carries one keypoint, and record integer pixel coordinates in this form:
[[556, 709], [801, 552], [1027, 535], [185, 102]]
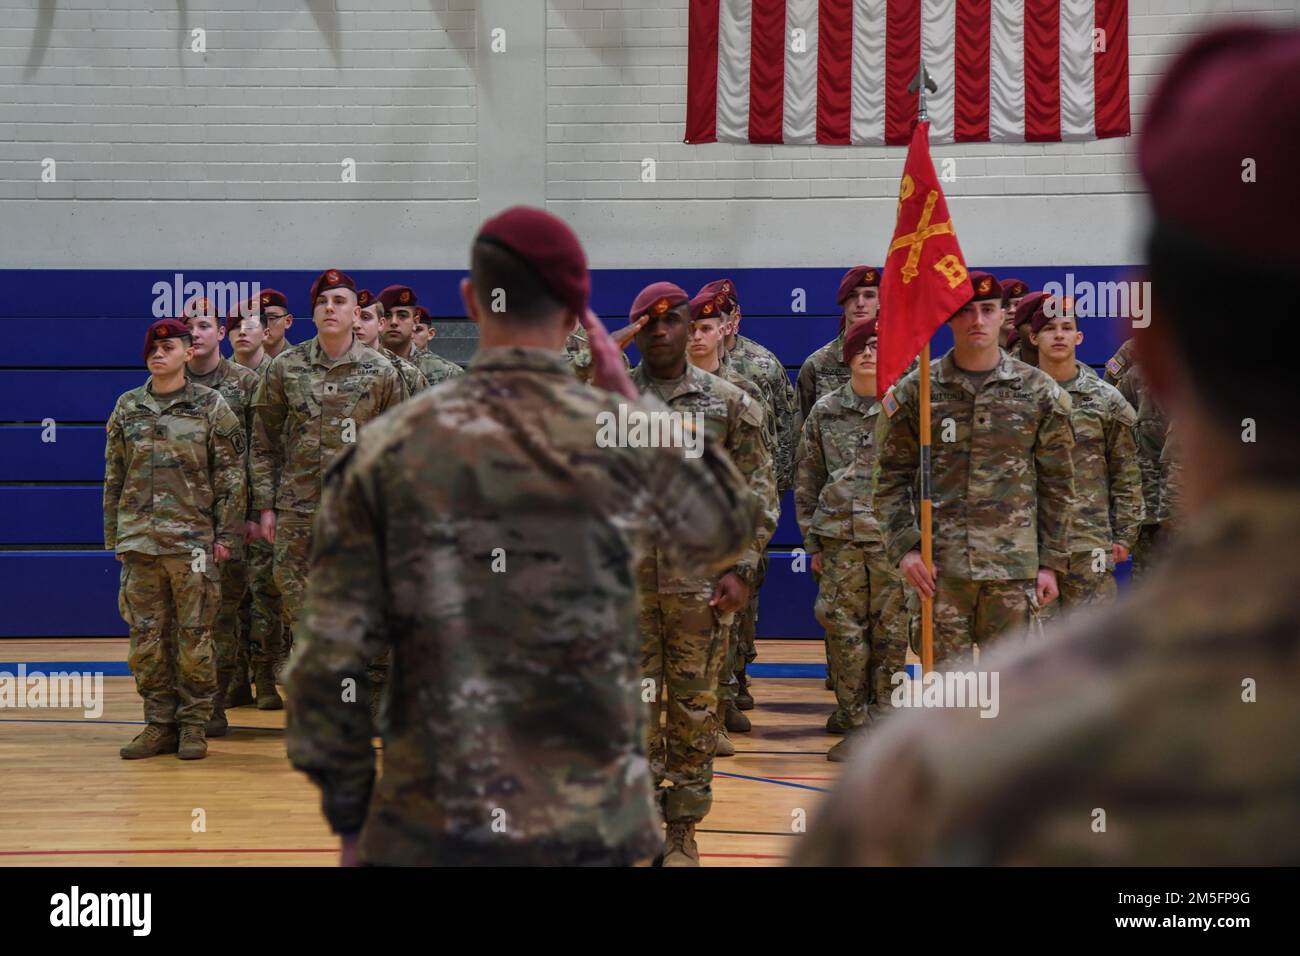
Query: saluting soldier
[[860, 599], [1002, 483], [174, 504], [687, 610], [513, 729], [310, 405], [1108, 507]]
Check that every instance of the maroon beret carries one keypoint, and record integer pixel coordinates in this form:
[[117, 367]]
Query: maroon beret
[[199, 305], [1232, 95], [858, 275], [1025, 310], [549, 246], [705, 305], [273, 297], [1012, 289], [395, 296], [723, 292], [1059, 306], [165, 329], [855, 339], [331, 279], [422, 314], [365, 298], [248, 309], [656, 299], [1012, 339], [985, 286]]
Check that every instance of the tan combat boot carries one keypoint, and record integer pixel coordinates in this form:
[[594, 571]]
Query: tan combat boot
[[217, 724], [267, 698], [154, 740], [725, 747], [735, 721], [681, 849], [194, 745]]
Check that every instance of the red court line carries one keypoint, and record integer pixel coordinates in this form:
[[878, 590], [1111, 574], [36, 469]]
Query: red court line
[[167, 850], [746, 856]]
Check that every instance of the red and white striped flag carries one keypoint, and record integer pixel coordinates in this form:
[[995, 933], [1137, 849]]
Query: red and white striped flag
[[837, 71]]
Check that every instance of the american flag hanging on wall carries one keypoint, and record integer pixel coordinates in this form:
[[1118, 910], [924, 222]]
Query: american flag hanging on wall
[[836, 71]]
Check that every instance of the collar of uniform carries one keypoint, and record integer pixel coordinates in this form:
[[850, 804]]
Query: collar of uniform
[[1079, 384], [509, 357], [355, 353], [691, 381], [852, 399], [948, 372], [185, 394], [218, 374]]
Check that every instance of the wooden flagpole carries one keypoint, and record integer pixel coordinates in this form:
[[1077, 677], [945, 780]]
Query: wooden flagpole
[[920, 85]]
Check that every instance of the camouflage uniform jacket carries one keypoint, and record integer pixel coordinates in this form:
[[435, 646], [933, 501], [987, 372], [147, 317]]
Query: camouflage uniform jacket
[[513, 731], [1152, 432], [1107, 482], [760, 365], [413, 380], [1135, 710], [832, 484], [1119, 364], [821, 373], [434, 367], [237, 386], [728, 371], [578, 354], [736, 422], [1002, 488], [174, 478], [306, 410]]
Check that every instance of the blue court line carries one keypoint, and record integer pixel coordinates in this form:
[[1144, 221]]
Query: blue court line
[[120, 669], [779, 783]]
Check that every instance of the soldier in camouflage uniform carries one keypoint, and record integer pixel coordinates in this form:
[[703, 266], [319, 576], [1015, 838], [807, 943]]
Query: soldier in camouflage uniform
[[1107, 484], [513, 728], [1018, 344], [1002, 484], [1013, 290], [860, 600], [705, 352], [370, 320], [400, 305], [174, 500], [260, 612], [824, 371], [274, 306], [1159, 732], [236, 385], [686, 611], [1123, 372], [577, 353], [308, 408], [422, 331]]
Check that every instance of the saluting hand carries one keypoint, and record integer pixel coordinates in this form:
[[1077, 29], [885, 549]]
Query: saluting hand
[[607, 369]]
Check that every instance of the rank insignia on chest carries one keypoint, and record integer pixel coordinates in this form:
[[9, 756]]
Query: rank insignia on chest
[[330, 388], [889, 403]]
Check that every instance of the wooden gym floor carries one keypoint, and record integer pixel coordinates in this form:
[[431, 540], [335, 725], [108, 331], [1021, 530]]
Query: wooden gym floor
[[68, 799]]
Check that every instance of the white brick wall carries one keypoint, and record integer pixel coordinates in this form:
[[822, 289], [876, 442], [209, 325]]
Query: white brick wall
[[447, 132], [285, 92]]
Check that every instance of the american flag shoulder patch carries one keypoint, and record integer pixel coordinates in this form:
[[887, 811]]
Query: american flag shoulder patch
[[889, 403], [1114, 366]]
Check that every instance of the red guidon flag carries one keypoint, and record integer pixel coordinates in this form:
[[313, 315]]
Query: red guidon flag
[[924, 280]]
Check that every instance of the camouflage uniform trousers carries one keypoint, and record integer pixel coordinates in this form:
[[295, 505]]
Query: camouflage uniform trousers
[[260, 612], [967, 613], [1080, 589], [233, 575], [1146, 550], [292, 562], [682, 652], [861, 604], [175, 667], [744, 630]]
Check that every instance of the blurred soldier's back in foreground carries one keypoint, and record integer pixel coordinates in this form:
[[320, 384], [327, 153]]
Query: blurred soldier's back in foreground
[[1162, 731], [482, 535]]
